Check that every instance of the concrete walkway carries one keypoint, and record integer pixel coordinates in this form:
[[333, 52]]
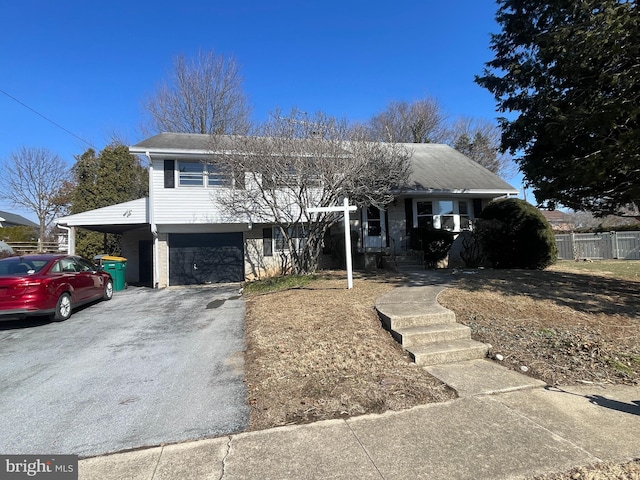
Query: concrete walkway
[[504, 425], [509, 435]]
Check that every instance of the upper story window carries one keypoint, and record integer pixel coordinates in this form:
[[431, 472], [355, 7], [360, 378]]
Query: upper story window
[[190, 174], [198, 174]]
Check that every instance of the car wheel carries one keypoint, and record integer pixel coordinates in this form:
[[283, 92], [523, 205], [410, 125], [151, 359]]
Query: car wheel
[[108, 290], [63, 308]]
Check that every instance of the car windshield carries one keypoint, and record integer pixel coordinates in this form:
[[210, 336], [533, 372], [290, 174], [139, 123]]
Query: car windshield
[[20, 266]]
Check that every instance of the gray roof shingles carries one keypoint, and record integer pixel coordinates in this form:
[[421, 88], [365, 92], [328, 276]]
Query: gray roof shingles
[[11, 219], [435, 167], [440, 167]]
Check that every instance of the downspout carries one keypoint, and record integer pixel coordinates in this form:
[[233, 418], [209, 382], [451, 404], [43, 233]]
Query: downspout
[[71, 239], [152, 223]]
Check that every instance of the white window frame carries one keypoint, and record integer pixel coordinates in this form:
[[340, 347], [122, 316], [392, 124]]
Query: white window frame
[[189, 174], [439, 213], [278, 237], [208, 176], [416, 216]]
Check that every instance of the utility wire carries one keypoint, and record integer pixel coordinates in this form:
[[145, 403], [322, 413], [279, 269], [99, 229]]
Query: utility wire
[[47, 119]]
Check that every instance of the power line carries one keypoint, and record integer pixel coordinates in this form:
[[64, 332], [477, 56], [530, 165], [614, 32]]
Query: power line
[[47, 119]]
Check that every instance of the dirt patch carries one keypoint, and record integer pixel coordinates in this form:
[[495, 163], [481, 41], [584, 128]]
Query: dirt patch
[[320, 352], [559, 326], [601, 471]]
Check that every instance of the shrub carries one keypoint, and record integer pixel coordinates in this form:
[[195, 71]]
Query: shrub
[[434, 243], [18, 234], [514, 234], [471, 254]]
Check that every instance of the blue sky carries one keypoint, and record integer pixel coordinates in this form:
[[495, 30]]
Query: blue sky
[[88, 65]]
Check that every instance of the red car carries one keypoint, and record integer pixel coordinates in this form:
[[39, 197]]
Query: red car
[[49, 284]]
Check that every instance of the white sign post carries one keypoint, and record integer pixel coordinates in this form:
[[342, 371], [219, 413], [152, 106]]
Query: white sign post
[[345, 209]]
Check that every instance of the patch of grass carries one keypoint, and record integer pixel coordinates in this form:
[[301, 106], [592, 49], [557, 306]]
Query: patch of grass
[[616, 364], [547, 332], [623, 269], [277, 284]]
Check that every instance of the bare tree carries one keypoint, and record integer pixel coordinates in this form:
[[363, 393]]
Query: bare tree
[[294, 164], [201, 95], [421, 121], [34, 178], [479, 140], [584, 220]]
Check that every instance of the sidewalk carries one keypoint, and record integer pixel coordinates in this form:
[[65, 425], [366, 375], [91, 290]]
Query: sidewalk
[[509, 435], [504, 425]]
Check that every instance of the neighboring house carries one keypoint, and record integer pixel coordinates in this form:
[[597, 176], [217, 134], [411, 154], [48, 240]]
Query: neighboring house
[[12, 220], [179, 235], [559, 221]]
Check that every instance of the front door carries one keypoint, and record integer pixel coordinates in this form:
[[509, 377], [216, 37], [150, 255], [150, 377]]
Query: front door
[[145, 263], [374, 229]]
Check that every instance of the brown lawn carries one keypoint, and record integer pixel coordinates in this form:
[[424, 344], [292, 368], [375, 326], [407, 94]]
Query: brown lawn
[[318, 351]]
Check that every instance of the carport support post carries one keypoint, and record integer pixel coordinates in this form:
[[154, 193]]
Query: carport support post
[[71, 241], [345, 209]]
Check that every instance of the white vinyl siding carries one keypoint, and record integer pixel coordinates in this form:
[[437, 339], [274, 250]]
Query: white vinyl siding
[[194, 204], [127, 213]]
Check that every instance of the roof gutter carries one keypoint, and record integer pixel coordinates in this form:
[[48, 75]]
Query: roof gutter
[[458, 191], [172, 151]]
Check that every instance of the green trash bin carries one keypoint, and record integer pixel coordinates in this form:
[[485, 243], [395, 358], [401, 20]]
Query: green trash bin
[[117, 268]]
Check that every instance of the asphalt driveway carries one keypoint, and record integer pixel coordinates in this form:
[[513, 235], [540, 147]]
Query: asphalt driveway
[[147, 367]]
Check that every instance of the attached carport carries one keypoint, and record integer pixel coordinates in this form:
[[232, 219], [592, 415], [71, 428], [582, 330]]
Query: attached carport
[[129, 219], [181, 256]]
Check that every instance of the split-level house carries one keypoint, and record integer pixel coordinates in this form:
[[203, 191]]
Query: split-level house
[[181, 235]]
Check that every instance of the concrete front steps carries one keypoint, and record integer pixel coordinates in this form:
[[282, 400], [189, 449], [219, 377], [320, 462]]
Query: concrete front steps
[[427, 330], [407, 262]]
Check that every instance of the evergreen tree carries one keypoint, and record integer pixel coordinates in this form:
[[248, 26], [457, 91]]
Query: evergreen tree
[[570, 72], [113, 176], [479, 149]]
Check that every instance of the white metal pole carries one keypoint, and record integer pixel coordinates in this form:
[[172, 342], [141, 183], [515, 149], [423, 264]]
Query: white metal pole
[[345, 209], [347, 243]]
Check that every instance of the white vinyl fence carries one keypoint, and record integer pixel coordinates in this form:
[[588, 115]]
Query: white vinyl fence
[[599, 246]]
